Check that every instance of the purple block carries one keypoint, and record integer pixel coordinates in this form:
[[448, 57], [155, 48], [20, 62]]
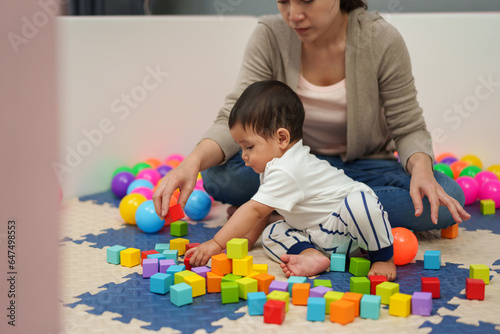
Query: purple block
[[278, 285], [202, 271], [421, 303], [164, 264], [149, 267], [319, 291]]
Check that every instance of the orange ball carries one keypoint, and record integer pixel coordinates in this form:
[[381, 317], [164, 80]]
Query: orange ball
[[405, 245], [153, 162], [457, 167], [444, 156]]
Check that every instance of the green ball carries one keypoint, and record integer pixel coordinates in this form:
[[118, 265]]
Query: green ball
[[444, 168], [140, 166], [470, 171], [122, 169]]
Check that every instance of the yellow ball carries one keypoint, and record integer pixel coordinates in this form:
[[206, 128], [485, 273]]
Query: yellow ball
[[495, 169], [472, 160], [129, 205]]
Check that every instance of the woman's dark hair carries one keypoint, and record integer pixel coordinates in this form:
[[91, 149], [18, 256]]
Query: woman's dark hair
[[266, 106], [348, 5]]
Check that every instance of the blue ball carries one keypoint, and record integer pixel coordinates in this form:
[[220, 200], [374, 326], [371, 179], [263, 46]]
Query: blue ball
[[146, 218], [139, 183], [198, 205]]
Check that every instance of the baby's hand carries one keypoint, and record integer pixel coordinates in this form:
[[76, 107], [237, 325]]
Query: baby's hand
[[202, 254]]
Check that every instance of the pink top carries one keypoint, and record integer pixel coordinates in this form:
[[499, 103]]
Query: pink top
[[325, 124]]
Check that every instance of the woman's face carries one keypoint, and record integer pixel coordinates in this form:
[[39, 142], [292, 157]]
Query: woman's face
[[310, 19]]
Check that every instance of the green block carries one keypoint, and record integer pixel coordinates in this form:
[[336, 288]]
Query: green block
[[360, 285], [230, 278], [237, 248], [359, 266], [332, 296], [179, 277], [487, 207], [480, 271], [385, 290], [247, 285], [280, 295], [179, 228], [322, 282], [162, 247], [229, 292]]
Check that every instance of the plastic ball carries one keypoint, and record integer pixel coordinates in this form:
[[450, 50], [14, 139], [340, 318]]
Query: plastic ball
[[145, 191], [485, 175], [128, 207], [490, 190], [146, 218], [444, 155], [444, 168], [173, 163], [405, 245], [121, 182], [198, 205], [495, 169], [123, 169], [470, 171], [163, 169], [140, 166], [152, 175], [199, 185], [153, 162], [457, 167], [449, 160], [470, 187], [139, 183], [178, 157], [472, 160]]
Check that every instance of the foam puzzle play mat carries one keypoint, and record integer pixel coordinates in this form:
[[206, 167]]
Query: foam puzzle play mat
[[121, 275]]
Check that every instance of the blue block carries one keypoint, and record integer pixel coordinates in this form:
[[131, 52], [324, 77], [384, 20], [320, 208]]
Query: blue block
[[295, 279], [113, 254], [316, 309], [156, 256], [160, 283], [162, 247], [255, 302], [370, 307], [181, 294], [171, 254], [432, 259], [337, 262], [175, 269]]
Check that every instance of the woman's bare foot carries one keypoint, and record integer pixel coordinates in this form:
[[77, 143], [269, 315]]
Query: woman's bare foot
[[309, 262], [387, 269]]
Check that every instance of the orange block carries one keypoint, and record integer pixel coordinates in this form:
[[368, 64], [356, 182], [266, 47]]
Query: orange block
[[263, 282], [221, 265], [213, 282], [342, 311], [300, 293], [354, 297], [450, 232]]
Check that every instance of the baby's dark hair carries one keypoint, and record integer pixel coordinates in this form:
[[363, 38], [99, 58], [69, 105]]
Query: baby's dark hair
[[266, 106]]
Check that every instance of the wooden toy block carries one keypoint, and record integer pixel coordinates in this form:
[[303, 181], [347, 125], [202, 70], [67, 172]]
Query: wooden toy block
[[432, 259], [161, 247], [487, 206], [319, 291], [246, 285], [179, 244], [260, 268], [174, 213], [274, 312], [330, 297], [337, 262], [181, 294], [480, 271], [171, 254], [192, 245], [255, 303], [165, 264], [374, 281], [342, 312], [400, 305], [237, 248], [432, 285], [186, 262], [360, 285], [243, 266], [202, 271], [230, 278], [450, 232], [385, 290], [264, 281], [279, 286], [160, 283], [474, 288], [280, 295], [370, 307], [179, 228], [130, 257], [355, 298], [229, 292], [213, 282], [359, 266], [181, 275], [295, 279], [176, 268], [149, 267], [421, 303], [197, 284], [300, 293], [113, 254], [316, 309], [221, 265], [144, 254], [322, 282]]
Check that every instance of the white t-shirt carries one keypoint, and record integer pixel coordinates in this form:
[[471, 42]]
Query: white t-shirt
[[304, 189]]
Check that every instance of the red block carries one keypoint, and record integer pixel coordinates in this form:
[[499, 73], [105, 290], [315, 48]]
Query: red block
[[174, 213], [144, 254], [432, 285], [192, 245], [374, 281], [274, 311], [474, 288], [186, 262]]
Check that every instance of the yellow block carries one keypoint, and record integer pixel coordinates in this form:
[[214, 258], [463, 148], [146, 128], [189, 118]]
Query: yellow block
[[332, 296], [243, 266], [179, 244], [196, 282], [130, 257], [260, 268], [280, 295], [181, 276], [400, 305]]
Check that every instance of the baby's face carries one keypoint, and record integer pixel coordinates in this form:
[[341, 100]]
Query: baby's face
[[255, 150]]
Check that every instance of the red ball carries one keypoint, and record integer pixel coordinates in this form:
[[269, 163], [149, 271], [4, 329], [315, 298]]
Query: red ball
[[405, 245]]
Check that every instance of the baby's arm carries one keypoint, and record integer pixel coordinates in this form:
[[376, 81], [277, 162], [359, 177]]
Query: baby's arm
[[241, 222]]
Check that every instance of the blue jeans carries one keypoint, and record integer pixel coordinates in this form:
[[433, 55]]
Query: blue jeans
[[235, 184]]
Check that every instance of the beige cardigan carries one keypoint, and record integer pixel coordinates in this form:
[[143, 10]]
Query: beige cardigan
[[382, 110]]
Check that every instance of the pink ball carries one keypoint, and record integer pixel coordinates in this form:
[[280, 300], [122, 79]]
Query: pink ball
[[199, 185], [490, 190], [144, 191], [470, 188], [178, 157], [152, 175], [484, 176]]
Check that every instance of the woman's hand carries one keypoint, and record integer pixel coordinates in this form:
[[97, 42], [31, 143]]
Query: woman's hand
[[203, 253]]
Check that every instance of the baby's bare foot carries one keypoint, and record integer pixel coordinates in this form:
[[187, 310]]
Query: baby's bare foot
[[387, 269], [309, 262]]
